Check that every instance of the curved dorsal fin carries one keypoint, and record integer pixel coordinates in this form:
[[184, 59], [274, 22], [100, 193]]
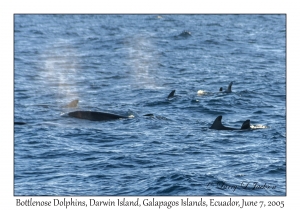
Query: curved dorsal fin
[[246, 125], [171, 94], [217, 123], [229, 87], [72, 104]]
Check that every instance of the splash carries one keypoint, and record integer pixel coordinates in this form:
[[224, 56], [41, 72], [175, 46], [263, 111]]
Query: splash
[[201, 92], [143, 62], [60, 70]]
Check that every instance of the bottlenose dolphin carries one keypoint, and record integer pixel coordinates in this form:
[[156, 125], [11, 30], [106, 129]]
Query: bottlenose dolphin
[[228, 89], [217, 125], [171, 94], [185, 34], [95, 116]]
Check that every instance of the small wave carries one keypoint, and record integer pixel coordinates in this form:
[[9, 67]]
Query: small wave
[[277, 170], [213, 24], [258, 126], [173, 189], [38, 32], [209, 41]]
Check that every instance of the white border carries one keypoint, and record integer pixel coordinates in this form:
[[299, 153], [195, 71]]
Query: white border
[[8, 8]]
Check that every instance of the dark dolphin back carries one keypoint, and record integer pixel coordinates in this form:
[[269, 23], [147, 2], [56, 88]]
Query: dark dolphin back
[[95, 116]]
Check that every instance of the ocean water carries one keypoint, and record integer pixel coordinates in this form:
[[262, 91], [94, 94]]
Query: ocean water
[[127, 65]]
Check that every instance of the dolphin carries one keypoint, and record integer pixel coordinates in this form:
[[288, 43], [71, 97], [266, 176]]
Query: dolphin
[[217, 125], [171, 94], [185, 34], [95, 116], [228, 89]]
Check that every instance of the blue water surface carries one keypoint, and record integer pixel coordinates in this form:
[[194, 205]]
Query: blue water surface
[[127, 65]]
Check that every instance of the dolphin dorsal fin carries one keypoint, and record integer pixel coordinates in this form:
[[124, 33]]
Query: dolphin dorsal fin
[[171, 94], [217, 123], [229, 87], [72, 104], [246, 125]]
